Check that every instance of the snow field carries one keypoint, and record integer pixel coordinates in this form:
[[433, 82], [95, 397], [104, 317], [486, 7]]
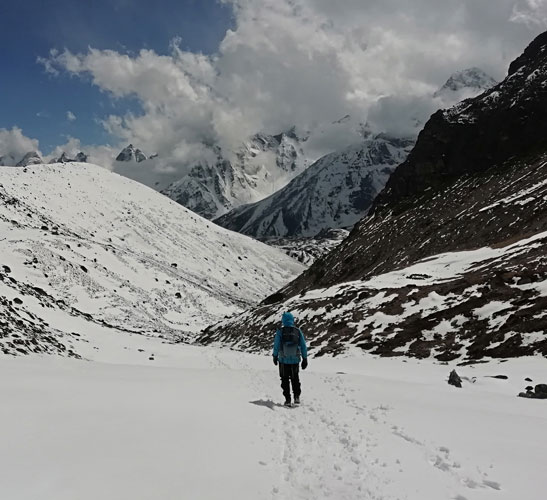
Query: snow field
[[207, 423]]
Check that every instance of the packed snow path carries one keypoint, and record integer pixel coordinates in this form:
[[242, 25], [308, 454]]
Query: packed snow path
[[205, 423]]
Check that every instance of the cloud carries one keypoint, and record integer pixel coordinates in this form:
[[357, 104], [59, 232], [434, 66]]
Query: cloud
[[70, 116], [530, 12], [14, 144], [303, 63], [42, 114]]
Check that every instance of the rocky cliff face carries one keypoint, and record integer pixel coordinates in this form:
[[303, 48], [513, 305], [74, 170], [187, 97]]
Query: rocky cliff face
[[475, 185], [334, 192], [263, 165], [130, 153], [31, 158], [508, 120], [64, 158]]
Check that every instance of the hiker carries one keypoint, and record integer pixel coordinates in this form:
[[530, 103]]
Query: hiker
[[289, 347]]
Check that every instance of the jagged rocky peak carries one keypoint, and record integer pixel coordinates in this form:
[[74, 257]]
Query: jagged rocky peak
[[130, 153], [503, 122], [261, 166], [81, 157], [472, 79], [334, 192], [64, 158], [31, 158], [286, 146]]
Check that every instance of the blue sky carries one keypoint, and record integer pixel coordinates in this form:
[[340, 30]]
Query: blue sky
[[38, 102]]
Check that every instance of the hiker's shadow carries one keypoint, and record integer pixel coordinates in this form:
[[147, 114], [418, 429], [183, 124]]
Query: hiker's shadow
[[268, 403]]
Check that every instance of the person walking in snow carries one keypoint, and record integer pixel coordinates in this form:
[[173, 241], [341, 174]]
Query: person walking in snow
[[289, 347]]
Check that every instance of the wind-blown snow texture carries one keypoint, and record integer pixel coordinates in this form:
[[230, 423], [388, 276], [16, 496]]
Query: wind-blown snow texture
[[79, 245], [334, 192]]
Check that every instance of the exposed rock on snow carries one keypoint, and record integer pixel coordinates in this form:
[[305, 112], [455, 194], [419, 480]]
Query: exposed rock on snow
[[308, 250], [454, 379], [83, 249], [334, 192], [539, 392]]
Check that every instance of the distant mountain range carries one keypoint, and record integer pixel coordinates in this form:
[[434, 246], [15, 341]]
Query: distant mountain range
[[334, 192], [338, 189], [465, 84], [34, 158], [263, 165], [271, 187]]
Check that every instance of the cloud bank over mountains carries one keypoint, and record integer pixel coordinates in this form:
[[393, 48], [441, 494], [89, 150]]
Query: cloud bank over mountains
[[303, 63]]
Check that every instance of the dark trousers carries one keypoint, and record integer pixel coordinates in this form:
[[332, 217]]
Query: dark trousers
[[289, 375]]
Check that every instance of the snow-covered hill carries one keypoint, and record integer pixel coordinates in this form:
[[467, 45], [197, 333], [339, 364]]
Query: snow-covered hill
[[334, 192], [263, 165], [82, 248]]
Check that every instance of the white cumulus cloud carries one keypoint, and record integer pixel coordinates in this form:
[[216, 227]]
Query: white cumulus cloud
[[531, 12], [70, 116], [303, 63], [14, 145]]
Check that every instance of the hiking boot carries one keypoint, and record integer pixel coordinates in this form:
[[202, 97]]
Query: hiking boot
[[287, 402], [297, 400]]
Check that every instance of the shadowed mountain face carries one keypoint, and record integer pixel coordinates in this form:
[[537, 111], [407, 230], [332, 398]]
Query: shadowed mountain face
[[475, 181]]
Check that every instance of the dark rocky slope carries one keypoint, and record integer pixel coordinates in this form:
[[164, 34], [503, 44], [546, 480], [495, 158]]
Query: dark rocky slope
[[501, 130], [477, 178]]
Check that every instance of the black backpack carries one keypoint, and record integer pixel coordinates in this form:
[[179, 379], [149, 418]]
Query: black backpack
[[290, 341]]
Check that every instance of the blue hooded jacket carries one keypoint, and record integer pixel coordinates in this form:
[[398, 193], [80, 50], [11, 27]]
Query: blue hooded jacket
[[287, 319]]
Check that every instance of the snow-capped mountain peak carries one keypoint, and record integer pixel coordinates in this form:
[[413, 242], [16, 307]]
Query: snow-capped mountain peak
[[264, 164], [467, 83], [334, 192], [130, 153], [31, 158]]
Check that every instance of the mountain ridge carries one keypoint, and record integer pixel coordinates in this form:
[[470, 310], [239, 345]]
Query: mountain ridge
[[475, 182]]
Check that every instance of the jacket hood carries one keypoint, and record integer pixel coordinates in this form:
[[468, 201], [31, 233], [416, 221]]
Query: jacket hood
[[287, 319]]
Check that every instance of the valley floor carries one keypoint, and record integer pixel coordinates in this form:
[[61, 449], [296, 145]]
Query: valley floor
[[206, 423]]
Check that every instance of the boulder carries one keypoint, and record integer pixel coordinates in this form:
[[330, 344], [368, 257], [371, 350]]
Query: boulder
[[454, 379]]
